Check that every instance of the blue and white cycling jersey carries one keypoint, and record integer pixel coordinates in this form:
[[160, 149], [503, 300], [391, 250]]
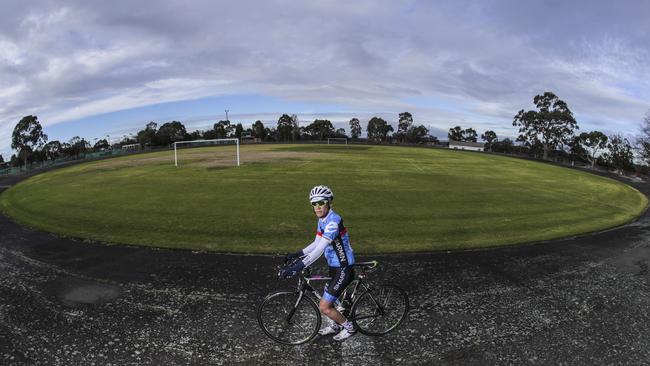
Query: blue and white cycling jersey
[[333, 240], [339, 253]]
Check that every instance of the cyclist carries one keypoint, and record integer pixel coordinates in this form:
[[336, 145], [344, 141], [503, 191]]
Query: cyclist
[[333, 240]]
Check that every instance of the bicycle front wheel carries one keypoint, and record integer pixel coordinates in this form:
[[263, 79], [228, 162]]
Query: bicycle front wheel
[[286, 322], [380, 310]]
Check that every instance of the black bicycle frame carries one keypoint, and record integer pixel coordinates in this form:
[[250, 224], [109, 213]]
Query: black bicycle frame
[[305, 287]]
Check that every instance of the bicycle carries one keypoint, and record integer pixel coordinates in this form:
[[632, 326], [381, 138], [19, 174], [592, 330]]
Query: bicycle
[[292, 317]]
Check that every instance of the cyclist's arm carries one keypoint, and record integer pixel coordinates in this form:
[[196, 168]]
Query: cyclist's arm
[[317, 249], [319, 245]]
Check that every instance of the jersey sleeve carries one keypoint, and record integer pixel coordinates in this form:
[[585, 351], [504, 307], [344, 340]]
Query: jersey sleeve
[[316, 252], [331, 229], [309, 248]]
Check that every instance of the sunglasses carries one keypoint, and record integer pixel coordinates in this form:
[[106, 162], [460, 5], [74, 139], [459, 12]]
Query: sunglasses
[[319, 203]]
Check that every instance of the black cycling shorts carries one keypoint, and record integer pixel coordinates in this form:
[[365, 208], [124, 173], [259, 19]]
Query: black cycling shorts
[[341, 278]]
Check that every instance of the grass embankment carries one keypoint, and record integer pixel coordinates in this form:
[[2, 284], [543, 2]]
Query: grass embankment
[[393, 199]]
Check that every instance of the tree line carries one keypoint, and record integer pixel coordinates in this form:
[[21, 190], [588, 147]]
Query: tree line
[[287, 129], [33, 146], [549, 132]]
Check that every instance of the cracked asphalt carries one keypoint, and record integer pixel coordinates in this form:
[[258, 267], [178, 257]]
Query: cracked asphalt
[[582, 300]]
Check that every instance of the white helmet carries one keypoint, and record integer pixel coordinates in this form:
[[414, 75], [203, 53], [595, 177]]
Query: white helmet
[[321, 193]]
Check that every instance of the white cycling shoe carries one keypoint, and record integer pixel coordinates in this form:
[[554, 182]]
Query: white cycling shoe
[[344, 334], [331, 329]]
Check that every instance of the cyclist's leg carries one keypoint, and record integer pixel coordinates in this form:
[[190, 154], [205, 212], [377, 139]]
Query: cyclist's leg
[[335, 288], [325, 304], [341, 277]]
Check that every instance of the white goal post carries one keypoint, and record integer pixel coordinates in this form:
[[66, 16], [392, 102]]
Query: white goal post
[[334, 139], [202, 141]]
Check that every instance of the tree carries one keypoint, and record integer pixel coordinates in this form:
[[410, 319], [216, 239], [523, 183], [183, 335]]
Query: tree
[[195, 135], [295, 131], [505, 146], [643, 141], [490, 138], [588, 145], [210, 134], [37, 155], [320, 129], [28, 135], [148, 135], [238, 130], [171, 132], [53, 150], [469, 135], [101, 145], [416, 134], [355, 128], [14, 161], [271, 134], [340, 133], [552, 124], [405, 122], [619, 155], [2, 160], [78, 146], [303, 134], [258, 130], [455, 134], [223, 129], [65, 149], [286, 127], [378, 129]]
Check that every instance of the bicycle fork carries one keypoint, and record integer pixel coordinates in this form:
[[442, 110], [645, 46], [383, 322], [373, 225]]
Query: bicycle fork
[[295, 307]]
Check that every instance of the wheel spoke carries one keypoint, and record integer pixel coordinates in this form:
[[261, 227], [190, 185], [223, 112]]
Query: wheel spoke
[[273, 317], [387, 297], [380, 311]]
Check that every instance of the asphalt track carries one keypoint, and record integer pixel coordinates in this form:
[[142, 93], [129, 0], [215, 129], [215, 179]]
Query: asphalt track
[[576, 301]]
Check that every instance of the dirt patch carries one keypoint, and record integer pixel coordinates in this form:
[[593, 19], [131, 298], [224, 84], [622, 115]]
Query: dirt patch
[[250, 157], [110, 164], [208, 158]]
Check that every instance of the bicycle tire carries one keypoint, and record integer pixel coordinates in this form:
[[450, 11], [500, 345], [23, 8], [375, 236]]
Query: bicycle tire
[[366, 313], [272, 317]]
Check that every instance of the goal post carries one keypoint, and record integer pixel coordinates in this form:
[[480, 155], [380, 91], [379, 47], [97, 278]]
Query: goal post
[[335, 140], [203, 143]]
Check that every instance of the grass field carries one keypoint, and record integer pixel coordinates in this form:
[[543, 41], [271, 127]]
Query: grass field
[[393, 199]]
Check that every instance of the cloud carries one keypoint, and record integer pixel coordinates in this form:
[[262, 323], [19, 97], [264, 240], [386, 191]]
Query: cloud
[[483, 60]]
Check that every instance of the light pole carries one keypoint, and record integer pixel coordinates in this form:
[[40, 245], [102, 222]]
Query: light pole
[[227, 110]]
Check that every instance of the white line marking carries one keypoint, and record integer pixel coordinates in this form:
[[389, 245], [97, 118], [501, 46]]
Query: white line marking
[[415, 165]]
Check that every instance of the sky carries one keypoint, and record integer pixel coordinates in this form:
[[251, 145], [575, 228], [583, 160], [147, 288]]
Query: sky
[[95, 69]]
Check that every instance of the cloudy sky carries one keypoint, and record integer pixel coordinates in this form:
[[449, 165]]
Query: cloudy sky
[[94, 69]]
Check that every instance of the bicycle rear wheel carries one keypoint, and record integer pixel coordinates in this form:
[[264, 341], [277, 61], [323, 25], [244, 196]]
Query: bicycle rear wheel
[[380, 310], [287, 323]]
